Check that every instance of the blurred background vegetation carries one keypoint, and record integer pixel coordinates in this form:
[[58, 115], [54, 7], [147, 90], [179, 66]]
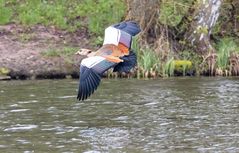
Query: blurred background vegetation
[[63, 14], [166, 51]]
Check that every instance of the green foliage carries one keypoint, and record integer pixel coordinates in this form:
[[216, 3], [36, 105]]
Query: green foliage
[[228, 20], [225, 47], [51, 53], [54, 52], [149, 60], [182, 66], [98, 41], [101, 13], [35, 12], [169, 67], [135, 46], [5, 13], [28, 15], [55, 14], [149, 64], [63, 14], [195, 58], [4, 71], [172, 12]]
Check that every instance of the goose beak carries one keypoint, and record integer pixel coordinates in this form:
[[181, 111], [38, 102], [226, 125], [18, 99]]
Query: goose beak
[[83, 52]]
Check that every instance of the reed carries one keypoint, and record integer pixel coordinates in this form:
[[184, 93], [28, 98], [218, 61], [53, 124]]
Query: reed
[[225, 48], [148, 63], [169, 67]]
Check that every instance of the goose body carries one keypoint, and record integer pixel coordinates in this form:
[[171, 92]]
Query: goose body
[[115, 53]]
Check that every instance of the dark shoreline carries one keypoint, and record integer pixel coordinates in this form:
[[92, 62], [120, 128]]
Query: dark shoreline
[[52, 68]]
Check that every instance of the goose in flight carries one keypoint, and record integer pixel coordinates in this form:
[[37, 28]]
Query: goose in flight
[[115, 53]]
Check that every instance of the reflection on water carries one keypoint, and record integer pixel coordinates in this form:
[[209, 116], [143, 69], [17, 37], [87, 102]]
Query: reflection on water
[[165, 115]]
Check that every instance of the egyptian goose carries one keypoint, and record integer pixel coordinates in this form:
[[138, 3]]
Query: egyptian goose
[[115, 53]]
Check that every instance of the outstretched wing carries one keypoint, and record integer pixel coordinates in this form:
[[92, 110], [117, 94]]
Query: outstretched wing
[[129, 27], [121, 33], [115, 50], [129, 62], [91, 70]]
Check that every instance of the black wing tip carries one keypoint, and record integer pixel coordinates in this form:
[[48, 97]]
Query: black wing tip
[[130, 27], [130, 62], [89, 81]]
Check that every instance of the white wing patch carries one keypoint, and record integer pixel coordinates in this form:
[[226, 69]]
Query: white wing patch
[[92, 61], [112, 36], [116, 36]]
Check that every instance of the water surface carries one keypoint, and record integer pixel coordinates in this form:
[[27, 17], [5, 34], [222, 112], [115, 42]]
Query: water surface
[[124, 115]]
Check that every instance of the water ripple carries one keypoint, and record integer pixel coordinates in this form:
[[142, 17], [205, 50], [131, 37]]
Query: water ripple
[[20, 127], [18, 110], [27, 102], [165, 115]]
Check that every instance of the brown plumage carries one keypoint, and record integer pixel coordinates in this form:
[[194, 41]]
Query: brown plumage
[[115, 53]]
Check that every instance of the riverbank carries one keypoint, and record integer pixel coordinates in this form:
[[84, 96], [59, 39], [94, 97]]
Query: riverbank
[[40, 52], [35, 53]]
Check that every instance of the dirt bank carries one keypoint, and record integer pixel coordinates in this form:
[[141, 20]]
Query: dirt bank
[[21, 52]]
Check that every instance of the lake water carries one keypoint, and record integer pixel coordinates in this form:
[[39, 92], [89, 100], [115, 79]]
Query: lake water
[[123, 115]]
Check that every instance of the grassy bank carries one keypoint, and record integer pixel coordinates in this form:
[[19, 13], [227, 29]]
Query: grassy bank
[[224, 62], [67, 15], [93, 16]]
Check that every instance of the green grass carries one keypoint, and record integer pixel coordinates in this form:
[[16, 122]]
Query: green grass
[[5, 13], [63, 14], [56, 52], [101, 13], [148, 62], [225, 47], [169, 67]]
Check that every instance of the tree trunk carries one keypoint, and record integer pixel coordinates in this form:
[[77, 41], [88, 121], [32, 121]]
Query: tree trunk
[[204, 19], [144, 12], [153, 34], [229, 21]]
